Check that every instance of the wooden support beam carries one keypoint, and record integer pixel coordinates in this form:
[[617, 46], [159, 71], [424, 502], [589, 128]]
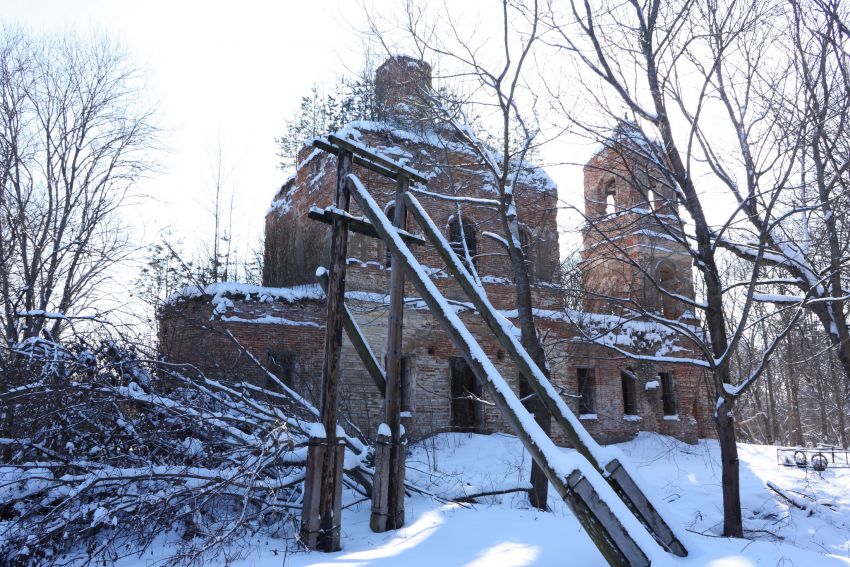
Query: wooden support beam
[[613, 540], [388, 503], [311, 518], [330, 479], [371, 166], [358, 341], [617, 476], [376, 158], [358, 224]]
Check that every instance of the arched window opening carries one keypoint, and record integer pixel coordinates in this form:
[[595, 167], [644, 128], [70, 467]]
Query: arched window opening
[[528, 252], [650, 198], [463, 240], [668, 282], [610, 197]]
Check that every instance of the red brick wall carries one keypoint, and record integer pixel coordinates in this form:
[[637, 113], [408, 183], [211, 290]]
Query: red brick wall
[[190, 336], [297, 245]]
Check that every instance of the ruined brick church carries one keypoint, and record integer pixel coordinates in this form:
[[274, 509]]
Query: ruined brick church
[[625, 256]]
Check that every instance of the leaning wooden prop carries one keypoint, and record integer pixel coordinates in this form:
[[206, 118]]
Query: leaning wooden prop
[[622, 522]]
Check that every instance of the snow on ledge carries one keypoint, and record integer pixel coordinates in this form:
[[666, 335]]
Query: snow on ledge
[[652, 385], [588, 416], [271, 320], [628, 417], [219, 291], [674, 417]]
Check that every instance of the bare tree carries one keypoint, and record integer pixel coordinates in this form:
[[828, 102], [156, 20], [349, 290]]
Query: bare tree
[[502, 141], [808, 237], [74, 136], [701, 77]]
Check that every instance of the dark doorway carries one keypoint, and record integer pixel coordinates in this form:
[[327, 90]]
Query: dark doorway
[[281, 363], [466, 412]]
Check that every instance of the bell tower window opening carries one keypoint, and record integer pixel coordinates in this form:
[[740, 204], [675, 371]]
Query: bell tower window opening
[[668, 282], [610, 203], [463, 241]]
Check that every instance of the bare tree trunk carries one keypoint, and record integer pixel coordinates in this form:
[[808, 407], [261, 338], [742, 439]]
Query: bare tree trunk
[[771, 408], [732, 522], [529, 339], [793, 393]]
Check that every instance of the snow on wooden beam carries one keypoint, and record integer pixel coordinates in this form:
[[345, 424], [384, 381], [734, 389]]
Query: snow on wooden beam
[[371, 166], [357, 224], [618, 535], [622, 482], [380, 159]]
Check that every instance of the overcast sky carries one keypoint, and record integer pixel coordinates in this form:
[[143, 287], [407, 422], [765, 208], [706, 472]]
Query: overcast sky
[[226, 73], [219, 73]]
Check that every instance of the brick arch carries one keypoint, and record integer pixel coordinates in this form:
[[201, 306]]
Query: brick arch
[[608, 195]]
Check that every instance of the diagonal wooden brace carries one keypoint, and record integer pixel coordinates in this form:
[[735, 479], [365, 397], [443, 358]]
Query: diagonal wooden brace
[[614, 472], [617, 544]]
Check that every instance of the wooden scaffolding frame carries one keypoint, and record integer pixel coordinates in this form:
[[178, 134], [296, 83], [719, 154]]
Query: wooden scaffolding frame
[[622, 522]]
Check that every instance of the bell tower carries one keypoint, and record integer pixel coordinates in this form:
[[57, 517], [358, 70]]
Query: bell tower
[[632, 257]]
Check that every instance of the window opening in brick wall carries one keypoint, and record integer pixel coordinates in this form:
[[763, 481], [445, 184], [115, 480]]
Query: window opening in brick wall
[[668, 393], [281, 363], [587, 391], [668, 281], [629, 393], [610, 197], [466, 411]]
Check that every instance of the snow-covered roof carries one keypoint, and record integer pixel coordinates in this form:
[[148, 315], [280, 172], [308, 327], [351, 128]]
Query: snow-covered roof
[[629, 135], [397, 147]]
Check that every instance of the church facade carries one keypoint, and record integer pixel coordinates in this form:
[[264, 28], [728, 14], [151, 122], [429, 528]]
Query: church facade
[[230, 330]]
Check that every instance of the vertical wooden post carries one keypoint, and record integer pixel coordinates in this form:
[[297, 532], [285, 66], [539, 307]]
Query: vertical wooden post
[[330, 480], [312, 487], [388, 492]]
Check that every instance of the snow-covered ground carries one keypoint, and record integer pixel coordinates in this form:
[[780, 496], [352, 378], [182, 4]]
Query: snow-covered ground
[[501, 530]]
